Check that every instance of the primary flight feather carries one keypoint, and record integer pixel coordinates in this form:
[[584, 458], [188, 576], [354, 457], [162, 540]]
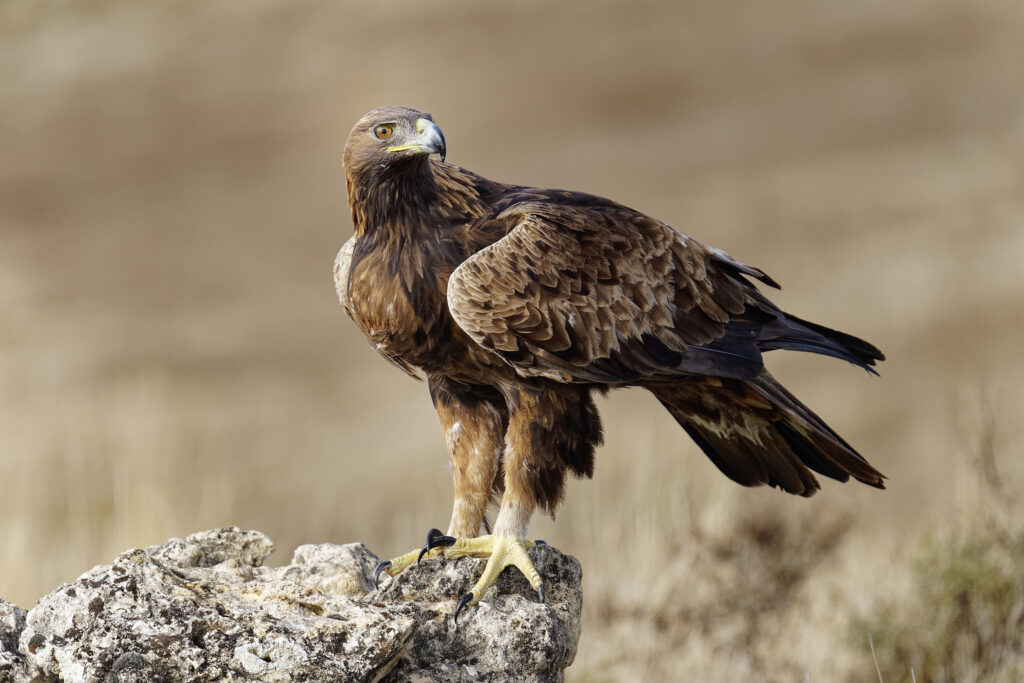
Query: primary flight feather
[[517, 303]]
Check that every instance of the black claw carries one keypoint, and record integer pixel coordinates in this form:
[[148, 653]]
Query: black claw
[[463, 601], [442, 541], [376, 574], [431, 535], [435, 539], [540, 592]]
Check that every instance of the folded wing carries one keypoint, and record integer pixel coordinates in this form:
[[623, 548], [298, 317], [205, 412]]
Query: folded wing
[[601, 293]]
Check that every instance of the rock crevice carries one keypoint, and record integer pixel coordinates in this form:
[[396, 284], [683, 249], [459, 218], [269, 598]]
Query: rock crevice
[[205, 608]]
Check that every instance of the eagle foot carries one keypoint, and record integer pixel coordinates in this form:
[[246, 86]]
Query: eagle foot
[[435, 539], [501, 552], [397, 565]]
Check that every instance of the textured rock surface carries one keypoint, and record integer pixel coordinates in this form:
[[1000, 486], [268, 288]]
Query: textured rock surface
[[204, 608], [12, 622]]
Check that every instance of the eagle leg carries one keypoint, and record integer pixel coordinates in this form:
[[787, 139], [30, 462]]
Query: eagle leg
[[474, 419], [474, 429]]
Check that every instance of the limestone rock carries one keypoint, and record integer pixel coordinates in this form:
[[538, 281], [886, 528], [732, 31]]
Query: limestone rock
[[204, 608], [12, 622]]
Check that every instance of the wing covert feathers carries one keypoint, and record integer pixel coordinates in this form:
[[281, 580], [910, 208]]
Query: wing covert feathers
[[600, 293], [757, 433]]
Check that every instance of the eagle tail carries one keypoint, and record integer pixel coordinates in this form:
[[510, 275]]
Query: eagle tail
[[756, 432], [790, 332]]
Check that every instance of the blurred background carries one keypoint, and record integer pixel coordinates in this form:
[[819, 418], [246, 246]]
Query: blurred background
[[173, 358]]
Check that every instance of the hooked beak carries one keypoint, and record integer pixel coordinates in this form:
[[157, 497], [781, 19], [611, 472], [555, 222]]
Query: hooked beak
[[429, 140]]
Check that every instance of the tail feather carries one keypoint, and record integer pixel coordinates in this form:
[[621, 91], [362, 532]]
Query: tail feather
[[789, 332], [757, 433]]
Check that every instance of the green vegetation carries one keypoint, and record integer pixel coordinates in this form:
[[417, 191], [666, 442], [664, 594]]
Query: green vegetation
[[963, 619]]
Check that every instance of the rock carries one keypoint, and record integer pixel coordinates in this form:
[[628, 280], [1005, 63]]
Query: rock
[[205, 608], [509, 635], [13, 665]]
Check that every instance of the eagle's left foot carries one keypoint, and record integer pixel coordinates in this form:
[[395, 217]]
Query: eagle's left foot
[[500, 551]]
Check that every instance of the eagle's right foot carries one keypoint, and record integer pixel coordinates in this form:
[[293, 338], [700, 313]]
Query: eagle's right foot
[[435, 539], [397, 565]]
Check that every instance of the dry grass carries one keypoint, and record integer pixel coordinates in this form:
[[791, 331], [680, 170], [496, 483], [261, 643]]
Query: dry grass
[[961, 618], [172, 357]]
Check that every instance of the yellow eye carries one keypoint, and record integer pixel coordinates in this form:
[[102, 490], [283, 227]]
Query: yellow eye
[[384, 131]]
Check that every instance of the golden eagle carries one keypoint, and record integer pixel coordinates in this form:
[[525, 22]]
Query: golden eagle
[[518, 303]]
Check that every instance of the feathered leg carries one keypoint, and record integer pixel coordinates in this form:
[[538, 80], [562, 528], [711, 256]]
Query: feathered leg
[[476, 442], [530, 448], [474, 420], [507, 545], [550, 433]]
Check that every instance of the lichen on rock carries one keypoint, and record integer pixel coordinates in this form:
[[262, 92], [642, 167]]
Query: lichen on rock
[[205, 608], [12, 622]]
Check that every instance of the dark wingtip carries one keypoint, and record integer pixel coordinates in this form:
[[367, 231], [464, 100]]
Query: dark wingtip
[[867, 368], [878, 483]]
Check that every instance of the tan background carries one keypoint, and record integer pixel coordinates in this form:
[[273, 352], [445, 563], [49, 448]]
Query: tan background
[[172, 357]]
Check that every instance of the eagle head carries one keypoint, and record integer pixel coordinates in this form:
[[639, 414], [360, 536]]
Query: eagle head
[[391, 137]]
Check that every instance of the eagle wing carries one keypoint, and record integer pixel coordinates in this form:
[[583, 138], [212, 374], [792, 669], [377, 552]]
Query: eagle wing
[[341, 266], [592, 291]]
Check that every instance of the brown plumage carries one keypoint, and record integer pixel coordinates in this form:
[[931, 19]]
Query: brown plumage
[[518, 303]]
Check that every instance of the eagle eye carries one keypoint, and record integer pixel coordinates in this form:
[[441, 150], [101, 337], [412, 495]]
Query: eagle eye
[[384, 131]]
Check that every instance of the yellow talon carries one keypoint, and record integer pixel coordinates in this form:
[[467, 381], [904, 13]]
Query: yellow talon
[[397, 565], [500, 551]]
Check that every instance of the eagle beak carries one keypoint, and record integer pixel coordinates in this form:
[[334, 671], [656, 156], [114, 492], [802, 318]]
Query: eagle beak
[[429, 140]]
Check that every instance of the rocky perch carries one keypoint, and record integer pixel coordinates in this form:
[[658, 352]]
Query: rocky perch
[[205, 608]]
